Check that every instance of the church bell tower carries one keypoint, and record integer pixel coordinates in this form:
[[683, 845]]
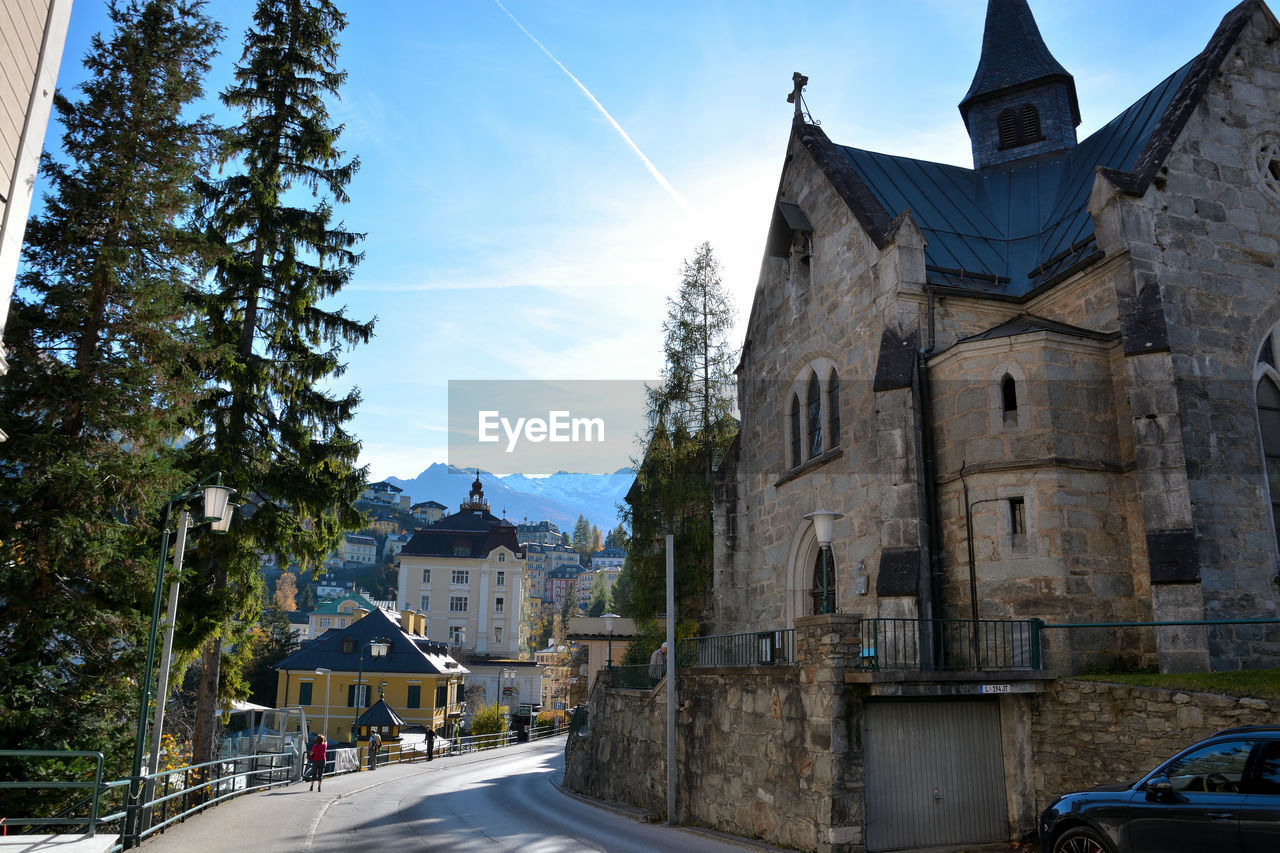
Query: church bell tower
[[1022, 102]]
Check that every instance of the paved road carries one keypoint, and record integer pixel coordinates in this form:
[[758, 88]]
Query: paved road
[[498, 800]]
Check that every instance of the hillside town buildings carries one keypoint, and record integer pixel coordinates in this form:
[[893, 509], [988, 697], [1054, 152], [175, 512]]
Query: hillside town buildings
[[465, 574]]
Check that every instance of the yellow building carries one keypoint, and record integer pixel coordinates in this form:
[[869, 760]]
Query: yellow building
[[338, 676]]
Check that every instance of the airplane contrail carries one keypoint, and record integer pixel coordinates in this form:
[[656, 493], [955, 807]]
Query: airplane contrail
[[653, 170]]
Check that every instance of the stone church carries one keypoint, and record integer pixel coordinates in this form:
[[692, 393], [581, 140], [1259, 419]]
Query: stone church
[[1046, 387]]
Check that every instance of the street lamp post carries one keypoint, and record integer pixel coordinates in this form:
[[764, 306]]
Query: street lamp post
[[823, 522], [218, 510], [609, 620], [377, 648], [327, 673]]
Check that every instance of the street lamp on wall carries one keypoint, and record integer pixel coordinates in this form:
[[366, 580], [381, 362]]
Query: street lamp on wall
[[218, 510], [823, 524], [327, 673], [609, 620]]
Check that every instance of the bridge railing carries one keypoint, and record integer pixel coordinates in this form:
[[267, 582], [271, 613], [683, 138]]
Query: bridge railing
[[67, 774]]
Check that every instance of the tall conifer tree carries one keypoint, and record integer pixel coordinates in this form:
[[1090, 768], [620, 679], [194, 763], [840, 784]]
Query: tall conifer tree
[[690, 426], [277, 436], [100, 385]]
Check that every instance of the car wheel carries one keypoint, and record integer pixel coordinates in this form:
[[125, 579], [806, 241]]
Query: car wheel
[[1080, 839]]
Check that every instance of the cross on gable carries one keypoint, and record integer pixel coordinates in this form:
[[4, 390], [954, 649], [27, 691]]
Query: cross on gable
[[799, 81]]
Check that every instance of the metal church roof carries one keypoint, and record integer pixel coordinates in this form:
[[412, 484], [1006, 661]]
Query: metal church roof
[[1004, 231]]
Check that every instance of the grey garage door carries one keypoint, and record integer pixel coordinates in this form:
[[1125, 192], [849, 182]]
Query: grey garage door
[[934, 774]]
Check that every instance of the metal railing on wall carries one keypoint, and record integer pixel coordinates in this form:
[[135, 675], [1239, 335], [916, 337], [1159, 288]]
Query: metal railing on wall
[[951, 644], [754, 648]]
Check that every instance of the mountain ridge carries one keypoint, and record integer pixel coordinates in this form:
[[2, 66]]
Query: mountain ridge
[[560, 497]]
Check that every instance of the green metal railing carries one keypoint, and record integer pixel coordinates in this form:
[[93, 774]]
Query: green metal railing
[[756, 648], [83, 813], [631, 677], [951, 644]]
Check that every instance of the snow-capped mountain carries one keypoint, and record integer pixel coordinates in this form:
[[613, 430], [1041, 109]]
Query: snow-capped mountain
[[560, 497]]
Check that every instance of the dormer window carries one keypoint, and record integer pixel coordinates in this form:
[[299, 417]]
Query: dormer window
[[348, 646]]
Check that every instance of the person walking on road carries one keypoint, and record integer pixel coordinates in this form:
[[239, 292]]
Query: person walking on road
[[431, 743], [318, 755], [375, 744]]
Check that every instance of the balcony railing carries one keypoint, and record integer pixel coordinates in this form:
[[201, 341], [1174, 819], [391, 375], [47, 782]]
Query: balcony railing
[[951, 644]]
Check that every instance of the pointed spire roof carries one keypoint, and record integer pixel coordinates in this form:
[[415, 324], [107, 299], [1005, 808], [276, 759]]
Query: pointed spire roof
[[1014, 56]]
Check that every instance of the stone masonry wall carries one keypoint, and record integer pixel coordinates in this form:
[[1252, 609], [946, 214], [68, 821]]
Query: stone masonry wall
[[1086, 733], [776, 752], [767, 752]]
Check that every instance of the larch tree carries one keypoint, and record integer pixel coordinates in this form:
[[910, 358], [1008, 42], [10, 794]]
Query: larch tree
[[690, 426], [101, 383], [269, 422]]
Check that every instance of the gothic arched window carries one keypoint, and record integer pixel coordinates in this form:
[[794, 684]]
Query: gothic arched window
[[816, 591], [833, 409], [813, 405], [1269, 422], [795, 430]]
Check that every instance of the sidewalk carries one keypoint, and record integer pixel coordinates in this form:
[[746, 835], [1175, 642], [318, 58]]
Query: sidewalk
[[100, 843]]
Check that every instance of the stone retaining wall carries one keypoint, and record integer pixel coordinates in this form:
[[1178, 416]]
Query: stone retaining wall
[[775, 752], [1086, 733]]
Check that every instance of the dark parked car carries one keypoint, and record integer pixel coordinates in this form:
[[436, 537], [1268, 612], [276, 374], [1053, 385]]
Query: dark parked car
[[1221, 795]]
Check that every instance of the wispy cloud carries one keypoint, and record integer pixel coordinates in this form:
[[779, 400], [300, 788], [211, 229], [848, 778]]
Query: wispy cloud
[[652, 169]]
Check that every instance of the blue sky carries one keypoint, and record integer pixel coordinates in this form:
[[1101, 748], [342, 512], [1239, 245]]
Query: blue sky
[[515, 232]]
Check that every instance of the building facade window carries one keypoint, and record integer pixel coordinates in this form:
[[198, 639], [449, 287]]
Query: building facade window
[[498, 605], [460, 577], [833, 409], [414, 699], [813, 410], [426, 576], [502, 558], [457, 635], [358, 695], [442, 696], [502, 579], [795, 431], [304, 693], [348, 645], [426, 604], [816, 591], [458, 604], [1009, 397], [1269, 424], [326, 622], [497, 633]]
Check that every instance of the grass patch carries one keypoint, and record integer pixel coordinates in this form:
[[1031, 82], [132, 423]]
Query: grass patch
[[1257, 683]]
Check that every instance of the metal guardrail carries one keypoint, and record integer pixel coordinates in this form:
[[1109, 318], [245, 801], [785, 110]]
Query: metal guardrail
[[631, 677], [951, 644], [184, 791], [755, 648], [65, 817]]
